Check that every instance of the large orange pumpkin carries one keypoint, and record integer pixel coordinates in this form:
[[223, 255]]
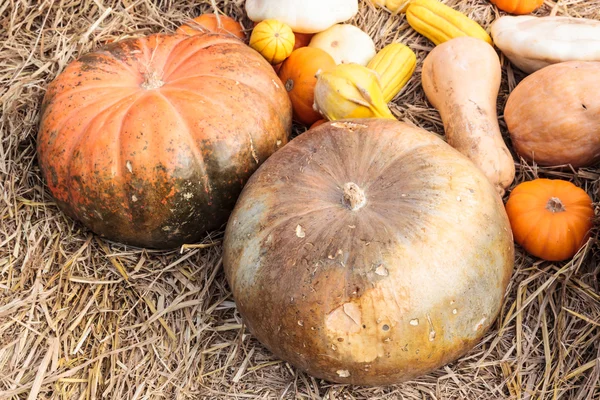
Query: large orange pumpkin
[[551, 219], [298, 74], [368, 252], [212, 23], [518, 6], [149, 141]]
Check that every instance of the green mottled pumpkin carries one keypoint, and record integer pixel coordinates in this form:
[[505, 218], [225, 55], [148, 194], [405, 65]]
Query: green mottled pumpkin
[[149, 141]]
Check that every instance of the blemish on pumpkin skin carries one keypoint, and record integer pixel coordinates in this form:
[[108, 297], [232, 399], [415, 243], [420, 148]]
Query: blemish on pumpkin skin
[[345, 318], [381, 271], [479, 324], [431, 330], [343, 373]]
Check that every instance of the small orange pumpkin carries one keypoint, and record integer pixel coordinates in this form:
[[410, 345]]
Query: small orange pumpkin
[[518, 6], [298, 75], [550, 218], [212, 23]]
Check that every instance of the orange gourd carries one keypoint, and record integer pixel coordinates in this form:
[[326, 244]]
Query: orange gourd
[[518, 6], [298, 74], [212, 23], [551, 219]]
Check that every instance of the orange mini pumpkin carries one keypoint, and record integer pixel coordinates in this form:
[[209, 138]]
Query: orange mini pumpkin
[[551, 219], [298, 75], [212, 23], [518, 6]]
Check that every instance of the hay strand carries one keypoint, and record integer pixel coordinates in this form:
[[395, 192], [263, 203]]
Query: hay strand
[[81, 317]]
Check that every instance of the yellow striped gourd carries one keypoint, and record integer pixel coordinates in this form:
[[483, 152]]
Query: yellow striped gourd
[[440, 23], [395, 64]]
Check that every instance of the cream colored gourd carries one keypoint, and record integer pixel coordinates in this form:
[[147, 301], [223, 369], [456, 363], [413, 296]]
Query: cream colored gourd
[[461, 79], [306, 16], [346, 44], [532, 43], [350, 91]]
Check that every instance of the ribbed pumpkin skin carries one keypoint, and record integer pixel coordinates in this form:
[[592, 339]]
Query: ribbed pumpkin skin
[[550, 218], [378, 294], [158, 166], [518, 6]]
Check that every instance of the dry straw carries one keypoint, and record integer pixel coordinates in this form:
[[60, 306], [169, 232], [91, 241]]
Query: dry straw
[[82, 318]]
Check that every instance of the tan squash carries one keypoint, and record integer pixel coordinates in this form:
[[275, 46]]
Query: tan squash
[[553, 115], [368, 252], [461, 78]]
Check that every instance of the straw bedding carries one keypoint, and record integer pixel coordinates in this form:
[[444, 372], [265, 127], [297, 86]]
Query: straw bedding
[[83, 318]]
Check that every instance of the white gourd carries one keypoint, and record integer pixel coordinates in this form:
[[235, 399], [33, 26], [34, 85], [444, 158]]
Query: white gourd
[[305, 16], [532, 43], [346, 44]]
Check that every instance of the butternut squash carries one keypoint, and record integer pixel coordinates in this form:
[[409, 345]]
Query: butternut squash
[[461, 79]]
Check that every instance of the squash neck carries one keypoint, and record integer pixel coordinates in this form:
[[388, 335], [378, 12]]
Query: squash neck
[[554, 205]]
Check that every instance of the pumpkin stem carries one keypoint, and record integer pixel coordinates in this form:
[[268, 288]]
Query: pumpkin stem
[[151, 81], [354, 197], [555, 205]]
